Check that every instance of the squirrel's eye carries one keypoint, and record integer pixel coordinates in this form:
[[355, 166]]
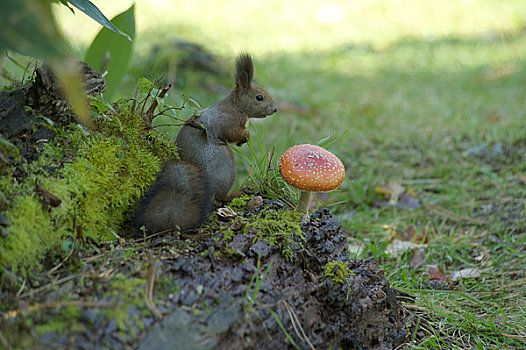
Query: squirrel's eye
[[259, 98]]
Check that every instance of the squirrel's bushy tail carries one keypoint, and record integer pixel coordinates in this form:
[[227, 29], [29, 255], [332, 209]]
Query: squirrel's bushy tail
[[180, 197]]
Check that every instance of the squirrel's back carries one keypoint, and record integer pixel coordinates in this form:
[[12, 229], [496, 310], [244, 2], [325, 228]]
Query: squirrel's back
[[180, 197]]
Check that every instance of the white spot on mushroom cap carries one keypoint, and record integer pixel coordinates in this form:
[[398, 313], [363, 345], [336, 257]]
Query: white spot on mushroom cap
[[319, 169]]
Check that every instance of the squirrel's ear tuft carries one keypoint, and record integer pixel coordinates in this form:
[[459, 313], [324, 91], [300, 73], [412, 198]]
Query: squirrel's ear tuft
[[244, 70]]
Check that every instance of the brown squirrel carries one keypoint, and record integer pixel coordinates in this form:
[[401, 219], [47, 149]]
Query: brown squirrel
[[183, 194]]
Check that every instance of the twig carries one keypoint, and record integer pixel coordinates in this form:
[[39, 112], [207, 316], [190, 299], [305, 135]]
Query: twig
[[62, 262], [48, 286], [94, 257], [113, 233], [158, 125], [294, 319], [148, 291], [149, 113], [63, 280], [81, 303], [150, 236], [169, 109], [21, 289], [514, 336]]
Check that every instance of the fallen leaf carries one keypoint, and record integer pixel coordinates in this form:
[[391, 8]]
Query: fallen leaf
[[436, 273], [397, 246], [395, 194], [409, 233], [226, 214], [48, 198], [467, 273], [254, 203], [418, 258], [407, 201], [237, 225]]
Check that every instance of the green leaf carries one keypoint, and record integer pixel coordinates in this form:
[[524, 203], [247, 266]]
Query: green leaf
[[28, 28], [111, 52], [91, 10]]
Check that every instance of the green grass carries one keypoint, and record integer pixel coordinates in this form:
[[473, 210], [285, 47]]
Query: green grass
[[427, 94]]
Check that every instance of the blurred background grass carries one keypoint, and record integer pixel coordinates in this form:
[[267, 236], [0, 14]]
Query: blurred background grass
[[374, 68]]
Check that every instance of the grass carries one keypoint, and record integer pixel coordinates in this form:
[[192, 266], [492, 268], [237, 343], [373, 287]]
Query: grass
[[426, 94]]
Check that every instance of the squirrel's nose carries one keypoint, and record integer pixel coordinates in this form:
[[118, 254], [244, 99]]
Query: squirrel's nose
[[274, 109]]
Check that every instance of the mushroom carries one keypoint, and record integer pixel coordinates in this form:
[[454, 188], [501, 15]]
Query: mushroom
[[310, 168]]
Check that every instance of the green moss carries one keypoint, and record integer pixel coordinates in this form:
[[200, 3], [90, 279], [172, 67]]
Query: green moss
[[337, 271], [281, 227], [31, 233], [276, 227], [239, 204], [98, 176], [129, 291], [66, 321]]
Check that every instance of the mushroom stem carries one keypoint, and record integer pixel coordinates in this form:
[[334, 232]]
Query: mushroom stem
[[303, 203]]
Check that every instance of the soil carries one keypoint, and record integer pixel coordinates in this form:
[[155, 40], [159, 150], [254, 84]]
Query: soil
[[203, 300]]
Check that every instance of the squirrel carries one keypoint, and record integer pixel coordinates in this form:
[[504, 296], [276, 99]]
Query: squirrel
[[183, 194]]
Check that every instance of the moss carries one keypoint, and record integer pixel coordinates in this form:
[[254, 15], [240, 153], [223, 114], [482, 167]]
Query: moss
[[129, 291], [276, 227], [281, 227], [98, 176], [239, 204], [337, 271], [31, 233], [65, 321]]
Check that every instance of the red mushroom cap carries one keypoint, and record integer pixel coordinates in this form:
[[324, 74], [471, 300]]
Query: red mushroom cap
[[311, 168]]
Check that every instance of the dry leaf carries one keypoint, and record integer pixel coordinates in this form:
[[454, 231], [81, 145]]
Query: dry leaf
[[467, 273], [48, 198], [238, 225], [254, 203], [418, 258], [409, 233], [436, 273], [395, 195], [397, 246], [226, 214]]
